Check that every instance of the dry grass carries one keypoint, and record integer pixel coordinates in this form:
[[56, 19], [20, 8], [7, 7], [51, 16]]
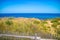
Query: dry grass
[[30, 26]]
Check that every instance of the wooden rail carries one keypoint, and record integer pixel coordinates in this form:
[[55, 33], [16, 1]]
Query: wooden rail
[[31, 37]]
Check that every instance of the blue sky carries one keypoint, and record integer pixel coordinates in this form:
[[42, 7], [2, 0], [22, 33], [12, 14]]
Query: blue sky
[[29, 6]]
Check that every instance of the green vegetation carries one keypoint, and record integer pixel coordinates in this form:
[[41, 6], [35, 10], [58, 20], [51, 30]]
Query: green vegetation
[[30, 26], [36, 21], [9, 22]]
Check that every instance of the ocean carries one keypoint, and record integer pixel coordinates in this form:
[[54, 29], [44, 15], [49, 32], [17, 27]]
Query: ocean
[[31, 15]]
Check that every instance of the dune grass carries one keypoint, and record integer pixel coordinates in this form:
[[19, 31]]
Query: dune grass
[[30, 26]]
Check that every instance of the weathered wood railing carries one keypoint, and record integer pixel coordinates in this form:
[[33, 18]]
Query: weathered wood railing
[[31, 37]]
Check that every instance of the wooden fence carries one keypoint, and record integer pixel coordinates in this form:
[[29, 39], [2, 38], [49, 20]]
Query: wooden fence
[[31, 37]]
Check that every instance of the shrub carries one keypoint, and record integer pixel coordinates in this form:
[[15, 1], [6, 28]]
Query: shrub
[[8, 22]]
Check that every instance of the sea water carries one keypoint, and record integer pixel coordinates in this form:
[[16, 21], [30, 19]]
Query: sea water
[[31, 15]]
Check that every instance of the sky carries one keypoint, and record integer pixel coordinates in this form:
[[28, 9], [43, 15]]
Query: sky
[[29, 6]]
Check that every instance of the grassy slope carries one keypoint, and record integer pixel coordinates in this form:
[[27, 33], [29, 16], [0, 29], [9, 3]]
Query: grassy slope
[[30, 26]]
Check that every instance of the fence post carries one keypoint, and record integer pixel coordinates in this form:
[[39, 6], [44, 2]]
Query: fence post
[[36, 38]]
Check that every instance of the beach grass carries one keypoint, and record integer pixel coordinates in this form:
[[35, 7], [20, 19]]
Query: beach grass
[[49, 28]]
